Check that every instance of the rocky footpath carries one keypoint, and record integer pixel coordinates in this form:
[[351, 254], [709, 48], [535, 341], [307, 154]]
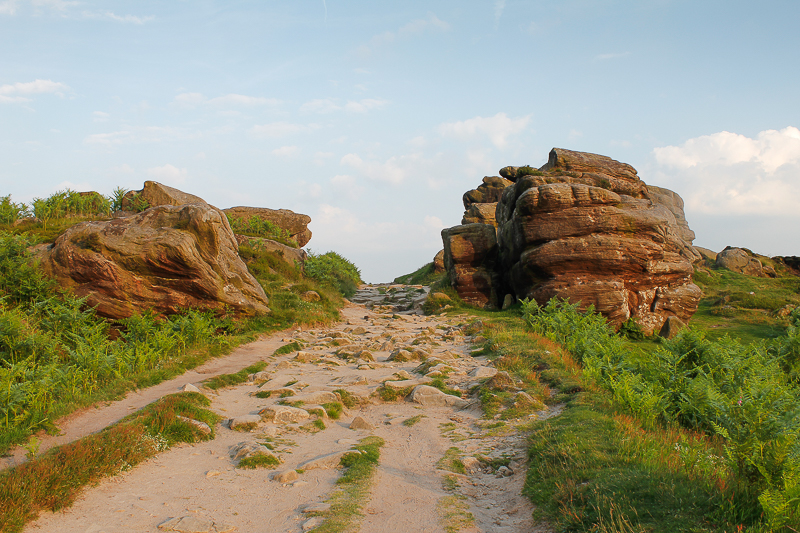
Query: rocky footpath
[[435, 469], [582, 227]]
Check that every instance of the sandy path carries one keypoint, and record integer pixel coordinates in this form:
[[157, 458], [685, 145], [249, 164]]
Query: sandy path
[[202, 481], [93, 419]]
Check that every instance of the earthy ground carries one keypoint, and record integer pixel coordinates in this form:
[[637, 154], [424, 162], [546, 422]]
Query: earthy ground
[[202, 485]]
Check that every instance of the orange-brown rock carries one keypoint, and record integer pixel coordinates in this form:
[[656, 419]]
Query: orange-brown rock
[[470, 253], [586, 229], [166, 258], [438, 262], [487, 192], [295, 257], [155, 194], [295, 223], [480, 214]]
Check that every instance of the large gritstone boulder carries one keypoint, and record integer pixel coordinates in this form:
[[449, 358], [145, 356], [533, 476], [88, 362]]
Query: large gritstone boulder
[[470, 253], [295, 224], [165, 259], [154, 194], [584, 228]]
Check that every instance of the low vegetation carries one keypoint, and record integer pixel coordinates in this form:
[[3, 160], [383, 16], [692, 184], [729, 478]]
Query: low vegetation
[[258, 227], [425, 275], [58, 355], [335, 271], [53, 480], [352, 487]]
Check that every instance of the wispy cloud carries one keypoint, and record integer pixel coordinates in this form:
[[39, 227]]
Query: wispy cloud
[[286, 151], [499, 6], [197, 99], [497, 128], [415, 27], [9, 7], [100, 116], [108, 139], [108, 15], [362, 106], [320, 105], [169, 174], [18, 92], [281, 129]]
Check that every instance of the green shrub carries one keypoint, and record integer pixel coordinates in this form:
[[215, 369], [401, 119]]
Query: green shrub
[[334, 270], [737, 392], [258, 227], [10, 211]]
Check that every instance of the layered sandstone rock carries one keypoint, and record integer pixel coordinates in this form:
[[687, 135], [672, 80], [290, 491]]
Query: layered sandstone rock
[[587, 231], [582, 227], [739, 260], [294, 223], [166, 258], [154, 194], [488, 192], [295, 257], [470, 253]]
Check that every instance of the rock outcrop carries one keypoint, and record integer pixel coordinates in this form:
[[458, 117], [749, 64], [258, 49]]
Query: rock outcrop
[[295, 257], [154, 194], [295, 224], [470, 257], [164, 259], [583, 227], [744, 262]]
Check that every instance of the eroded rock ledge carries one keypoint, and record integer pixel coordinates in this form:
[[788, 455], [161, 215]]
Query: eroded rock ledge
[[582, 227]]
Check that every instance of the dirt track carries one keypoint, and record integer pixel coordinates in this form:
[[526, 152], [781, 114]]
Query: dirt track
[[202, 481]]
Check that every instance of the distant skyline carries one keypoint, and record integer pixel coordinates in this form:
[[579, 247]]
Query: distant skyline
[[374, 118]]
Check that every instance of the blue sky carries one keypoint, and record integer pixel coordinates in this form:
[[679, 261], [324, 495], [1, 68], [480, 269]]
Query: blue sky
[[375, 117]]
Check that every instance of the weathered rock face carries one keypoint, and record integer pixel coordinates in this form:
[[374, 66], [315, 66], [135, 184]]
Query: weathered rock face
[[480, 214], [487, 193], [470, 253], [295, 257], [156, 194], [295, 223], [738, 260], [592, 235], [584, 227], [165, 259], [438, 262]]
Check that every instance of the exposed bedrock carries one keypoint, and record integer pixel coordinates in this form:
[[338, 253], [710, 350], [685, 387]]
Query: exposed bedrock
[[470, 256], [586, 228], [164, 259]]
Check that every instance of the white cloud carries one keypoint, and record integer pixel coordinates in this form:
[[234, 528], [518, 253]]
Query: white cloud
[[56, 5], [497, 128], [415, 27], [362, 106], [169, 174], [499, 6], [728, 174], [286, 151], [349, 185], [192, 100], [320, 105], [9, 7], [771, 149], [241, 99], [394, 170], [100, 116], [434, 223], [108, 139], [309, 190], [281, 129], [11, 93], [108, 15], [124, 168]]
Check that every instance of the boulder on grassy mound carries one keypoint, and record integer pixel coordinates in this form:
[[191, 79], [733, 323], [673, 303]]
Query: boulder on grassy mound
[[164, 259]]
